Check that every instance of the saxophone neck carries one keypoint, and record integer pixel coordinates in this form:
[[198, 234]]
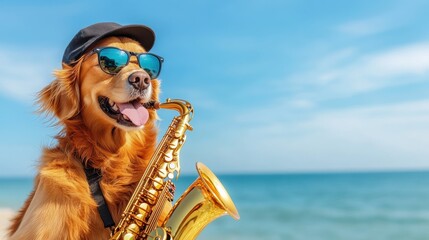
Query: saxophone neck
[[185, 110], [181, 106]]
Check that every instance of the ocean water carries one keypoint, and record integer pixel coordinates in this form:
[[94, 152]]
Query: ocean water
[[306, 206]]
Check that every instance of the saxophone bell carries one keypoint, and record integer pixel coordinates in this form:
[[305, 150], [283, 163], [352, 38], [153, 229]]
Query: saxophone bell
[[205, 200]]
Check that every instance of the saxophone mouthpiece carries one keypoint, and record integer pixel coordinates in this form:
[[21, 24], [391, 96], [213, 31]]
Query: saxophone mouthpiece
[[151, 105]]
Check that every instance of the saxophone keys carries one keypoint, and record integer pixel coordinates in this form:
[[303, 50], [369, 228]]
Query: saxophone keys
[[152, 196], [133, 228], [168, 158], [173, 144], [140, 219], [171, 167], [162, 172], [178, 133], [189, 127], [158, 183], [144, 209], [129, 236], [168, 155]]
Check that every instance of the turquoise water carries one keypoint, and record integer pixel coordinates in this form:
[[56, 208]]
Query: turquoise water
[[307, 206]]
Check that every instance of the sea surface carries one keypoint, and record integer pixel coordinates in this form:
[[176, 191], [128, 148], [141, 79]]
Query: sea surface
[[329, 206]]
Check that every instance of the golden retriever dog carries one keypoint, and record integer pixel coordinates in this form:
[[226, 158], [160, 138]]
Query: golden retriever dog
[[89, 104]]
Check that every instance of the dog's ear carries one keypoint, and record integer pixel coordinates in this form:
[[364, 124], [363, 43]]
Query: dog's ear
[[61, 96]]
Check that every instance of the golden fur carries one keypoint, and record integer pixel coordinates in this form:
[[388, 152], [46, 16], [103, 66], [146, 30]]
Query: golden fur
[[61, 206]]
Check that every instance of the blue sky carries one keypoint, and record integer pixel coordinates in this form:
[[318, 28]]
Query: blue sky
[[277, 86]]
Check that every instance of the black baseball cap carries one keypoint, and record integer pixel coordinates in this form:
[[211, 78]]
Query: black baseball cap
[[91, 34]]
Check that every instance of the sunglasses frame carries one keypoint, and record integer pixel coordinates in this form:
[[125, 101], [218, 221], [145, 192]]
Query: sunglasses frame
[[137, 55]]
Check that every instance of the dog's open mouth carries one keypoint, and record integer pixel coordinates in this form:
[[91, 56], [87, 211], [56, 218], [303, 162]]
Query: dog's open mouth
[[130, 114]]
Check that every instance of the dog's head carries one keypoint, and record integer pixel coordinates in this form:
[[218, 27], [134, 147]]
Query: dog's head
[[103, 100]]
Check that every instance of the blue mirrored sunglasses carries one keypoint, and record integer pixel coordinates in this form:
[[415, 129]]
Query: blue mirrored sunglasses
[[111, 60]]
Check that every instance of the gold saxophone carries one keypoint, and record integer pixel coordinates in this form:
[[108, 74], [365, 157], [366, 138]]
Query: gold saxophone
[[204, 201]]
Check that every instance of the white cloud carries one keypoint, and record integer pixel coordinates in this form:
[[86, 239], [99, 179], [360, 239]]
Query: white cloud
[[301, 103], [365, 27], [411, 59], [392, 136], [393, 16], [24, 72], [347, 72]]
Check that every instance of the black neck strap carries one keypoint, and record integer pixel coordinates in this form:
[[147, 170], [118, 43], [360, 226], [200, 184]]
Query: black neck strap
[[93, 176]]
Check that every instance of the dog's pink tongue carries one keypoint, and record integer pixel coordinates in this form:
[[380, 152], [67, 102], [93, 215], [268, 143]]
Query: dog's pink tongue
[[135, 112]]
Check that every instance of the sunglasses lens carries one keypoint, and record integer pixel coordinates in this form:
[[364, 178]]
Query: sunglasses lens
[[151, 64], [112, 60]]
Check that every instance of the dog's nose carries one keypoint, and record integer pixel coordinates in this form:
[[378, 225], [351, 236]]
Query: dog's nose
[[139, 80]]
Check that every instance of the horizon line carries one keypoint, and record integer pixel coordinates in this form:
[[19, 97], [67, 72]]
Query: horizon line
[[291, 172]]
